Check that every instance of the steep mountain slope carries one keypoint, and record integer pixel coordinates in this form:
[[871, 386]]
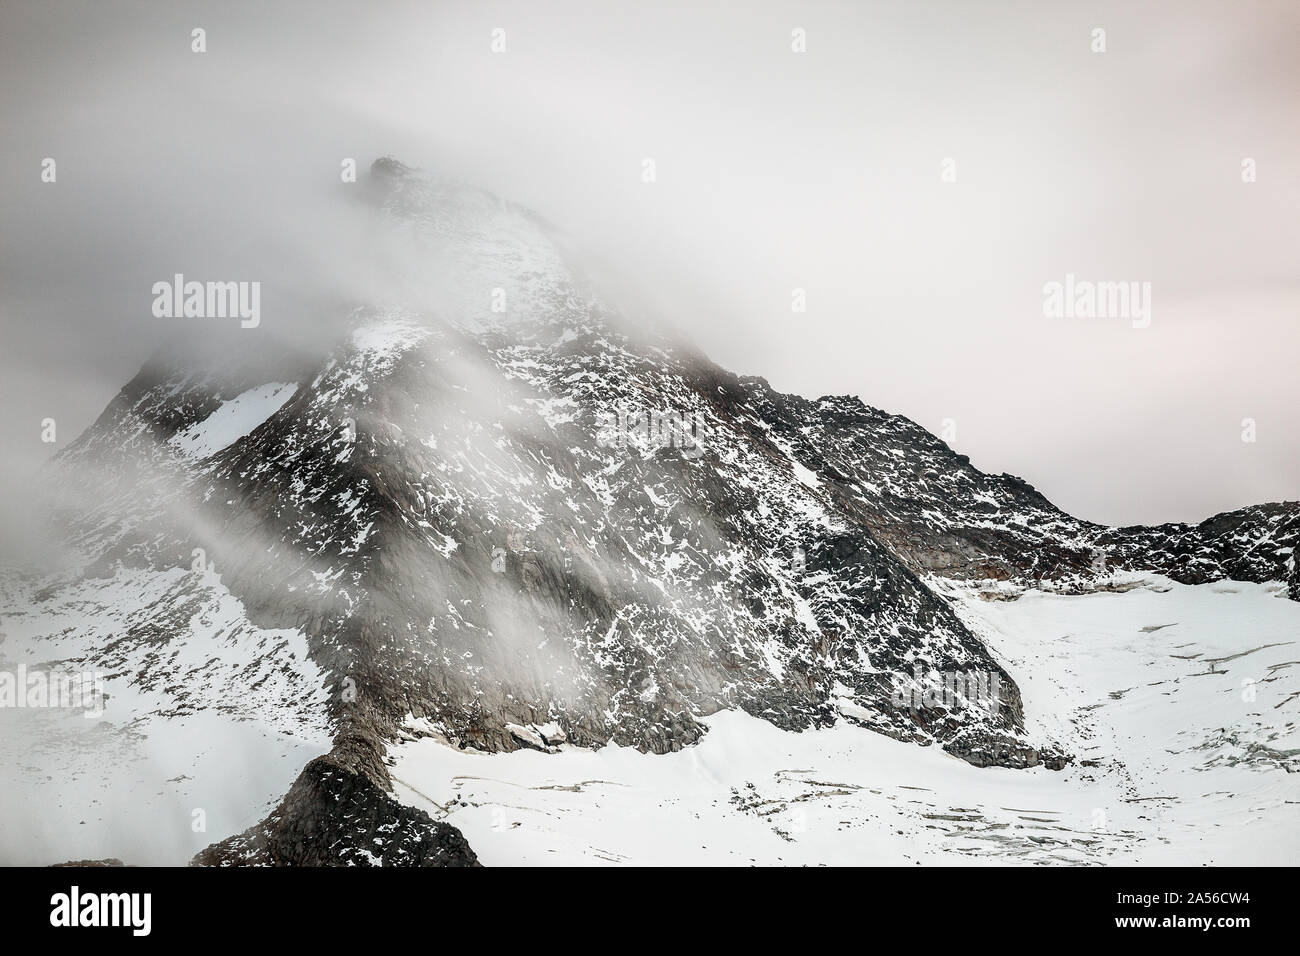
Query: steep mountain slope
[[517, 522], [941, 515], [1179, 700]]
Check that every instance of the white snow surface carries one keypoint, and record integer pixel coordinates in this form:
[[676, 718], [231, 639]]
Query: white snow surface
[[205, 726], [1187, 726], [232, 420]]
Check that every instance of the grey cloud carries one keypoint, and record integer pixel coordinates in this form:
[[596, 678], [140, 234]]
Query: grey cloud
[[776, 171]]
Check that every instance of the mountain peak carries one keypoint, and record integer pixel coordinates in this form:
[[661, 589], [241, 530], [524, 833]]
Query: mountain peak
[[388, 167]]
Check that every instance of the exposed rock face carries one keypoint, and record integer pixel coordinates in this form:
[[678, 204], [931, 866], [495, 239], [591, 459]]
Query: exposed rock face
[[943, 516], [335, 816], [111, 861], [541, 518]]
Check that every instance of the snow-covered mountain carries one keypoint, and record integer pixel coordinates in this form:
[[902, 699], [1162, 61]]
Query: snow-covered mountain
[[1168, 694], [521, 520]]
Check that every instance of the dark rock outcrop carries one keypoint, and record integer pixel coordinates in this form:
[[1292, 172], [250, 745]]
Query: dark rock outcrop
[[335, 816], [108, 861]]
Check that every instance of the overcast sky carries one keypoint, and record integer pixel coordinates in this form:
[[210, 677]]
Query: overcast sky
[[776, 170]]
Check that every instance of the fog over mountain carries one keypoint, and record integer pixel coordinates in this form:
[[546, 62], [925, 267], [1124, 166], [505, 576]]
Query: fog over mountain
[[516, 434], [532, 520], [775, 171]]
